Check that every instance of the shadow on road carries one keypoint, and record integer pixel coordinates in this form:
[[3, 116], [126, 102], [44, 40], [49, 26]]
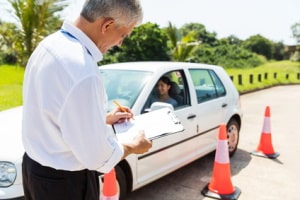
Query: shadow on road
[[189, 181], [239, 161]]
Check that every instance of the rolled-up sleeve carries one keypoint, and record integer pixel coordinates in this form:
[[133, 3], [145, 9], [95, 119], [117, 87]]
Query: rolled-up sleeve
[[83, 126]]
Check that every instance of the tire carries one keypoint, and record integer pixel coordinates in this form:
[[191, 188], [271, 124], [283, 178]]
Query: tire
[[121, 182], [233, 135]]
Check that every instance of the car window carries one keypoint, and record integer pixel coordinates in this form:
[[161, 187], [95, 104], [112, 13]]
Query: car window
[[123, 85], [220, 89], [178, 91], [207, 84]]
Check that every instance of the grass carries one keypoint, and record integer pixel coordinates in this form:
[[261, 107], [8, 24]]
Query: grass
[[287, 72], [11, 80]]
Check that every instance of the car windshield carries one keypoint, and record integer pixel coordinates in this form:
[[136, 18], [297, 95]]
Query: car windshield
[[123, 86]]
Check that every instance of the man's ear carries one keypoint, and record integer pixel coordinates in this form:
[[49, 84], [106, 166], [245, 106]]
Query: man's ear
[[107, 24]]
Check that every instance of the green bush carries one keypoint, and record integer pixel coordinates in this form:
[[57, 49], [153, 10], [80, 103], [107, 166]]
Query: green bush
[[228, 56]]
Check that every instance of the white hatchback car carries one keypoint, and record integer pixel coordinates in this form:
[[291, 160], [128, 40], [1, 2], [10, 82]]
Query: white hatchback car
[[206, 98]]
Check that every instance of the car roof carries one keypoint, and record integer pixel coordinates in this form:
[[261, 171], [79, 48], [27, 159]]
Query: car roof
[[154, 66]]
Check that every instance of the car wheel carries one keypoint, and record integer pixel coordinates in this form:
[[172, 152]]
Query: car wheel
[[233, 133], [121, 183]]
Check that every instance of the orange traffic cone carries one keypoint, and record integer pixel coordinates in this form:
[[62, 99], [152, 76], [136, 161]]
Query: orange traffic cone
[[110, 190], [220, 186], [265, 147]]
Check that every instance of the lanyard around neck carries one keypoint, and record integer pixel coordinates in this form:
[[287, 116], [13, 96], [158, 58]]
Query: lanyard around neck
[[72, 36]]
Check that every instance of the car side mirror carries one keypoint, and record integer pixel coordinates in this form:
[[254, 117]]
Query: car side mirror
[[159, 105]]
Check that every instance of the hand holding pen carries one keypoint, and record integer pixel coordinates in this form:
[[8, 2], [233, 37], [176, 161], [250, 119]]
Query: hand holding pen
[[122, 108], [120, 114]]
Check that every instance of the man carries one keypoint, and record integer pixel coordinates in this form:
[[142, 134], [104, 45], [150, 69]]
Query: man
[[65, 132]]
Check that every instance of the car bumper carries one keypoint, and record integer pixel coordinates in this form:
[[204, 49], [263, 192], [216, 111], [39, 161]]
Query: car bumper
[[14, 192]]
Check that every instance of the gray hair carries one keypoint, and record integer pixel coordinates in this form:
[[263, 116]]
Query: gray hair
[[124, 12]]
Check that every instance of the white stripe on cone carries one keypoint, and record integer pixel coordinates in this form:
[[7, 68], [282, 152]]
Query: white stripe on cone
[[267, 126], [222, 155]]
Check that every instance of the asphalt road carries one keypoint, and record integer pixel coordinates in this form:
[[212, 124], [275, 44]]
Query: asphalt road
[[256, 177]]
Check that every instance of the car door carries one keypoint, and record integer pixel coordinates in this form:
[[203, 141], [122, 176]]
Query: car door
[[209, 107], [175, 150]]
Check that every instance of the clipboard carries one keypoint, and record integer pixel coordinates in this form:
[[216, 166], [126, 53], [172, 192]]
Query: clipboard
[[156, 124]]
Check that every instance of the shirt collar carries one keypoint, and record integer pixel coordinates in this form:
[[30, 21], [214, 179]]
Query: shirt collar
[[84, 40]]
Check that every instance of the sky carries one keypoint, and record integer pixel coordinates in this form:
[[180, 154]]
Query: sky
[[242, 18]]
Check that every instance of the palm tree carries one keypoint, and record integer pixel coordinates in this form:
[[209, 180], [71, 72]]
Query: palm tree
[[36, 19], [181, 47]]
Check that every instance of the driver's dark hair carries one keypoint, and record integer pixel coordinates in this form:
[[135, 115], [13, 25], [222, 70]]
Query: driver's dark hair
[[165, 79]]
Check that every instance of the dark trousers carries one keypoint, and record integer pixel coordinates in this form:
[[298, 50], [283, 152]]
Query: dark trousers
[[46, 183]]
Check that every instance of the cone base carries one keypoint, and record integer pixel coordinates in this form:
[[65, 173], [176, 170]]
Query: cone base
[[261, 154], [233, 196]]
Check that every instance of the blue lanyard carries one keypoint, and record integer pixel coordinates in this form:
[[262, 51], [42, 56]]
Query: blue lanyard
[[68, 33], [72, 36]]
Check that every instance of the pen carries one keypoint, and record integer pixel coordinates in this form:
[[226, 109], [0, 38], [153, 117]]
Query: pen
[[121, 107]]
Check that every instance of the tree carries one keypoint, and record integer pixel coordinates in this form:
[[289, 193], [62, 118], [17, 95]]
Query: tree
[[36, 19], [232, 40], [8, 40], [226, 55], [181, 47], [200, 33], [296, 34], [147, 42], [278, 51], [260, 45], [296, 31]]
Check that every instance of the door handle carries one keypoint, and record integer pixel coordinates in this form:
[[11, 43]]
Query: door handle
[[224, 105], [191, 116]]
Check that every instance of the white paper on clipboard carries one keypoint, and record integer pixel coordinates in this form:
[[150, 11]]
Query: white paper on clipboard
[[156, 124]]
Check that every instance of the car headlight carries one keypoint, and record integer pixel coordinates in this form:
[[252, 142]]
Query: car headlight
[[8, 173]]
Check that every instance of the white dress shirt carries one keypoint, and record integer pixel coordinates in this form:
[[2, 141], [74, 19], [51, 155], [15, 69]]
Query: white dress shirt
[[64, 116]]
